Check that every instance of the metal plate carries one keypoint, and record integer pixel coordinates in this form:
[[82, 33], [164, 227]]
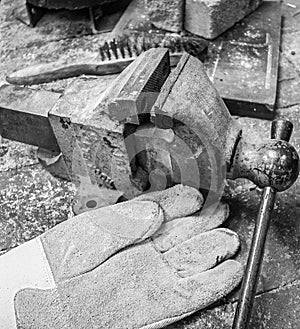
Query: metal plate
[[243, 63], [24, 116]]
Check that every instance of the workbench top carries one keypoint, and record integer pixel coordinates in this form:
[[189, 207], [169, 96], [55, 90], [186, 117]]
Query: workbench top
[[32, 200]]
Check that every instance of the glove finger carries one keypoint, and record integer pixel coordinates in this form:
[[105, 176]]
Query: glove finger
[[177, 201], [181, 229], [203, 251], [203, 289], [87, 240], [136, 281]]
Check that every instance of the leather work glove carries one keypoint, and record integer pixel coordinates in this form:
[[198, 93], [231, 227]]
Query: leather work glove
[[144, 263]]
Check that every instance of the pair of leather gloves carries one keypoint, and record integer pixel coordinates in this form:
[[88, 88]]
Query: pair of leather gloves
[[143, 263]]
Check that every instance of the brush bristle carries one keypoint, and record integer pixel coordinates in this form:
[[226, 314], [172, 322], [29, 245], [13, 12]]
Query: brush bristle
[[131, 46]]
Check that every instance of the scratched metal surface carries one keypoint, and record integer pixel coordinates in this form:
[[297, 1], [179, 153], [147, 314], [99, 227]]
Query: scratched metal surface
[[243, 62]]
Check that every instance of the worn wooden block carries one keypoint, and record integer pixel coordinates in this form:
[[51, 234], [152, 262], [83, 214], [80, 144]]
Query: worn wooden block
[[167, 14], [210, 18]]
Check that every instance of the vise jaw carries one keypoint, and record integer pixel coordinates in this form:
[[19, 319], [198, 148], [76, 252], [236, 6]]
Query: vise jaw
[[146, 129]]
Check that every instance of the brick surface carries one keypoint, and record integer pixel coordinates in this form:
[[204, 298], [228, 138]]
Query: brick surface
[[210, 18], [167, 14]]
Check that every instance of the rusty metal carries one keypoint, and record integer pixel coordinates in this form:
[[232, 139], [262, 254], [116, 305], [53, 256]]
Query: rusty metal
[[281, 130], [91, 122], [24, 116], [97, 8]]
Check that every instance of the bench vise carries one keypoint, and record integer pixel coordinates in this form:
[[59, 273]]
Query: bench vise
[[148, 129], [145, 129]]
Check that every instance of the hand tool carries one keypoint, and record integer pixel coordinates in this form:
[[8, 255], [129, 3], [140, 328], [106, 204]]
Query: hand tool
[[148, 126], [280, 161], [113, 57]]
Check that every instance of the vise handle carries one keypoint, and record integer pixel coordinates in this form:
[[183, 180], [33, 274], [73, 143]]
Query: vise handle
[[282, 170]]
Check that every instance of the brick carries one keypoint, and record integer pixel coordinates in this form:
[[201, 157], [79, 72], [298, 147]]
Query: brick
[[210, 18], [167, 14]]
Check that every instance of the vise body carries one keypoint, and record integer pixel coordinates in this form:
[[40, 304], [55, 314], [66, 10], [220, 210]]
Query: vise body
[[145, 129]]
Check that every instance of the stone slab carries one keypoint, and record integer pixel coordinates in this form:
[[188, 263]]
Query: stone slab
[[32, 201], [278, 309], [288, 94], [272, 310], [54, 25], [289, 69], [291, 15], [290, 47], [15, 155]]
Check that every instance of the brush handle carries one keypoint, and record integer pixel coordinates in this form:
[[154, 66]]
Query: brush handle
[[52, 71], [49, 72]]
